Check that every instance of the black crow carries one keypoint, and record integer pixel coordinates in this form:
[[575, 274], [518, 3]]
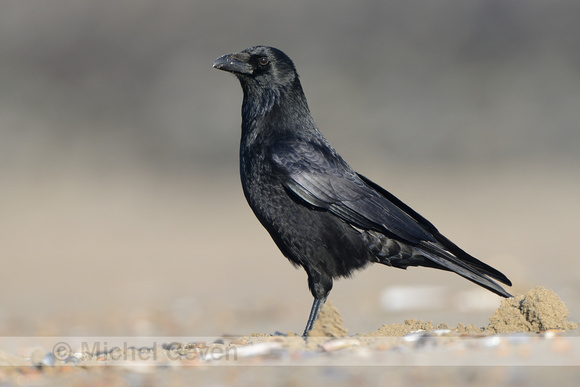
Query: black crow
[[323, 215]]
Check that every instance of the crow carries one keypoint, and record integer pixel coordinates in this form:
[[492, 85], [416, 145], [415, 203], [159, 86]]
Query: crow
[[322, 214]]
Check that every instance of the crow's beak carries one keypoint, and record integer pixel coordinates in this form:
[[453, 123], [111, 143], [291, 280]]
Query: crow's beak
[[233, 63]]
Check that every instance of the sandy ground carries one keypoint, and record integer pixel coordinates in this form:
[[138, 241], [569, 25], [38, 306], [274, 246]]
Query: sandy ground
[[140, 256], [412, 353]]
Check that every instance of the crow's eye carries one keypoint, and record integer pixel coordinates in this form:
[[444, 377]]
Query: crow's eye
[[263, 61]]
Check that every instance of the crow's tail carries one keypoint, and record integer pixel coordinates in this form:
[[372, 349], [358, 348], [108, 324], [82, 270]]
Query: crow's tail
[[466, 266]]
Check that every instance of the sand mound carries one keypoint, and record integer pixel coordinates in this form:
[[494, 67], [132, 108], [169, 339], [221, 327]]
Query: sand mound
[[329, 323], [539, 310]]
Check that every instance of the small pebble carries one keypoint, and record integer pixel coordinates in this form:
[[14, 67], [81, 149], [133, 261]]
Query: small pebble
[[257, 349], [336, 344], [414, 336], [49, 360]]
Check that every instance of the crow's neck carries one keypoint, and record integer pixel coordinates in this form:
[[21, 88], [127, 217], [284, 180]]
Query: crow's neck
[[278, 110]]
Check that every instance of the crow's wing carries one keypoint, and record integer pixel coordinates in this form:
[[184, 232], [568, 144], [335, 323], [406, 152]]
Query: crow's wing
[[320, 177], [317, 175]]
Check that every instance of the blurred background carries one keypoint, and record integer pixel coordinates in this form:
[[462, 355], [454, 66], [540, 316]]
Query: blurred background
[[121, 210]]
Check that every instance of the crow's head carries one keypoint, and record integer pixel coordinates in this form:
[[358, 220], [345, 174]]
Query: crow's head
[[259, 66]]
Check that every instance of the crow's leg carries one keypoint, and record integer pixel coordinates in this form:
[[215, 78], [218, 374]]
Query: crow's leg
[[316, 306], [320, 285]]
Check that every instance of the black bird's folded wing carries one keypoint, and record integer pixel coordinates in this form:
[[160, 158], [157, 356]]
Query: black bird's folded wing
[[317, 175], [321, 178]]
